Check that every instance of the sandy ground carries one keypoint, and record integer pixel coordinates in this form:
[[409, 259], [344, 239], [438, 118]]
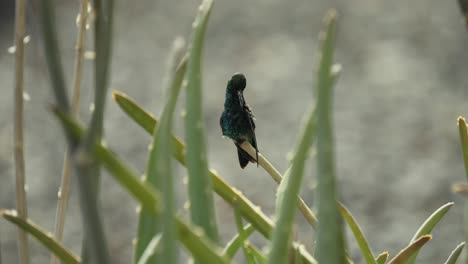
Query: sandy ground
[[396, 103]]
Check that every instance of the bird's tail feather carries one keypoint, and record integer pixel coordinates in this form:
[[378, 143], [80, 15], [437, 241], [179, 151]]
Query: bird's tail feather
[[244, 157]]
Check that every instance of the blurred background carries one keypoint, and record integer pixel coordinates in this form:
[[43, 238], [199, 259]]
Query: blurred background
[[402, 87]]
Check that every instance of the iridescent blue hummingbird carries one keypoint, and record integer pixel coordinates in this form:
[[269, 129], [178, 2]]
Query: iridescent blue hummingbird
[[237, 119]]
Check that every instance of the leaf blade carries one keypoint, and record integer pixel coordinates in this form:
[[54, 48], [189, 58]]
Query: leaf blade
[[382, 258], [202, 210], [428, 225], [236, 242], [403, 256], [358, 235], [462, 129], [159, 171], [330, 242], [452, 259], [46, 240]]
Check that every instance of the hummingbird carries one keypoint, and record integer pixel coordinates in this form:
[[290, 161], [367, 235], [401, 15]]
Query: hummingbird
[[237, 119]]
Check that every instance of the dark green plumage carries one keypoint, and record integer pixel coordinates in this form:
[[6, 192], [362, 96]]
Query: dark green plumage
[[237, 120]]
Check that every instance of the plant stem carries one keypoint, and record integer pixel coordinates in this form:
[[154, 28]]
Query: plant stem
[[52, 55], [87, 168], [64, 190], [23, 247], [103, 48]]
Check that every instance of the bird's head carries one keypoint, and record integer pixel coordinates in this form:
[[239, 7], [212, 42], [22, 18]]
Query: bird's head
[[238, 82]]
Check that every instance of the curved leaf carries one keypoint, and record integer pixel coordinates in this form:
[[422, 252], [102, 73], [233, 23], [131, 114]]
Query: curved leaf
[[405, 254], [464, 141], [159, 171], [236, 242], [46, 240], [202, 209], [261, 259], [360, 238], [452, 259], [382, 258], [432, 221], [287, 195], [330, 242], [150, 250], [240, 229], [428, 225]]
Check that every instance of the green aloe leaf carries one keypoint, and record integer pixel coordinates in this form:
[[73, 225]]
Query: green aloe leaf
[[298, 259], [358, 235], [243, 236], [382, 258], [464, 142], [237, 241], [330, 242], [452, 259], [428, 225], [159, 172], [405, 254], [287, 194], [46, 240], [150, 249], [290, 186], [261, 259], [199, 182]]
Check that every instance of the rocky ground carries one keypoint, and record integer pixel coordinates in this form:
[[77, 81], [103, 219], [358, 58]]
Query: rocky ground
[[402, 87]]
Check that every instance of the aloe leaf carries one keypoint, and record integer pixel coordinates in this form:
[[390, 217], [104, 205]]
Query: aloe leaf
[[261, 259], [237, 241], [46, 240], [243, 236], [464, 142], [452, 259], [297, 257], [358, 235], [52, 55], [380, 259], [199, 182], [330, 242], [287, 194], [428, 225], [150, 249], [404, 255], [159, 172], [432, 221]]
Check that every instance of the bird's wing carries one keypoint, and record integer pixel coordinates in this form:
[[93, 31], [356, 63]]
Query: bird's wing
[[252, 124]]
